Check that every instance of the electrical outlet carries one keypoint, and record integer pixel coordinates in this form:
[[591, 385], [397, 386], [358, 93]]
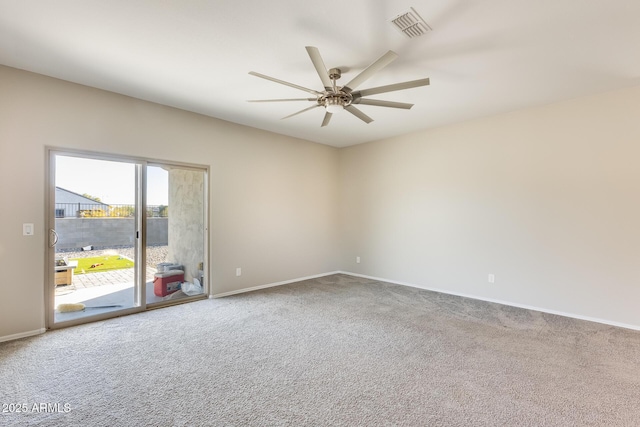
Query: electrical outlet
[[358, 260], [238, 271], [491, 278]]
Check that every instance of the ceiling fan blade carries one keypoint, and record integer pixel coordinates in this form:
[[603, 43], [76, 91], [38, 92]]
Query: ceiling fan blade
[[391, 88], [314, 54], [380, 103], [379, 64], [282, 100], [301, 111], [359, 114], [282, 82], [327, 119]]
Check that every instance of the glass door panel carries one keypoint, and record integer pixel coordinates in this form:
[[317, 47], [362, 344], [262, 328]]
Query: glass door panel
[[95, 230], [175, 233]]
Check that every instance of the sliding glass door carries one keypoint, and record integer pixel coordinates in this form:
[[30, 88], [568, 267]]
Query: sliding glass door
[[175, 248], [124, 234]]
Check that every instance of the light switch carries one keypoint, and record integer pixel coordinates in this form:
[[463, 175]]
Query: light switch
[[27, 229]]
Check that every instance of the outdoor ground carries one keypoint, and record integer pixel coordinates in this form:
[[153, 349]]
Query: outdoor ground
[[155, 255]]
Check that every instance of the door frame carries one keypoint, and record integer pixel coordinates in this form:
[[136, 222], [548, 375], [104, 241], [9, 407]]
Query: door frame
[[140, 238]]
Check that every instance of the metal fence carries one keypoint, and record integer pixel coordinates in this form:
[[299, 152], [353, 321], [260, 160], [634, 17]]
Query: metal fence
[[95, 210]]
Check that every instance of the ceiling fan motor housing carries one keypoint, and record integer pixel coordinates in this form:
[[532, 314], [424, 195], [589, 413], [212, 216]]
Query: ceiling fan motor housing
[[338, 98]]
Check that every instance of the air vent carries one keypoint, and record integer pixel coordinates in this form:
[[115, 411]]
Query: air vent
[[411, 24]]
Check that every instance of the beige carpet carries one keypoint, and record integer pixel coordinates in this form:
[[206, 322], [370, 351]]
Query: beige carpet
[[335, 351]]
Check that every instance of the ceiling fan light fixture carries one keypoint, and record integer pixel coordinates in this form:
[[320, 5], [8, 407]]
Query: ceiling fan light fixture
[[333, 105]]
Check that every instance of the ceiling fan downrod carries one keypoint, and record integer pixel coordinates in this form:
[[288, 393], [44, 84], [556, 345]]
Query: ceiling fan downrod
[[335, 74]]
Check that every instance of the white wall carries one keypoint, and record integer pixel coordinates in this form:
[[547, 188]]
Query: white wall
[[273, 208], [547, 199]]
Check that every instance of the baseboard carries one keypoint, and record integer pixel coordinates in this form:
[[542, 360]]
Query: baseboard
[[22, 335], [271, 285], [507, 303]]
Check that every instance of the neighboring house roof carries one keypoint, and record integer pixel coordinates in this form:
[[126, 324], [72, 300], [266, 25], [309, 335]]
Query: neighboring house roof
[[66, 196]]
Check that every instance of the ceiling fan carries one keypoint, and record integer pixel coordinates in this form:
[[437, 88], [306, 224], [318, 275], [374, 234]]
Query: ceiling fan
[[336, 98]]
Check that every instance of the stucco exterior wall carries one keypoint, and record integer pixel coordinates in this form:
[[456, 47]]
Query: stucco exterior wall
[[186, 220]]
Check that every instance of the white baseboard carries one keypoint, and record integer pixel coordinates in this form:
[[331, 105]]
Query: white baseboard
[[511, 304], [270, 285], [22, 335]]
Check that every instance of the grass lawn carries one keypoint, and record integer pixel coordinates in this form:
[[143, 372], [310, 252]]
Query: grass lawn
[[102, 263]]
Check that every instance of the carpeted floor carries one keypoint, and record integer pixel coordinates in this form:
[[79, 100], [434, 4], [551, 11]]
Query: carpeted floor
[[334, 351]]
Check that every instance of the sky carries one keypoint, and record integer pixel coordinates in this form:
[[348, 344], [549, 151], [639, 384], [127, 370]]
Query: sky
[[112, 182]]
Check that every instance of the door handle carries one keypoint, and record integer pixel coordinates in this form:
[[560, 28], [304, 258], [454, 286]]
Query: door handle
[[52, 233]]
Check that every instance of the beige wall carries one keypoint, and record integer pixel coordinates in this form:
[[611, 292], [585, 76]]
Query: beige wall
[[273, 208], [547, 199]]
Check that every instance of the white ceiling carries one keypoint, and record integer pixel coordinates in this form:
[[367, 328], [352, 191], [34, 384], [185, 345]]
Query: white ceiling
[[483, 57]]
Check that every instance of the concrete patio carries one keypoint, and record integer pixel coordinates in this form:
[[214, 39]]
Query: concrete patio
[[89, 280], [106, 288], [114, 287]]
